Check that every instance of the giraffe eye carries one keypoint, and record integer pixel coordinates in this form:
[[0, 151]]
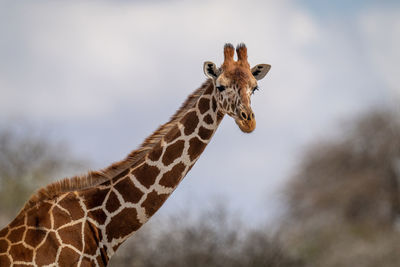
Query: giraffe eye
[[221, 88], [254, 89]]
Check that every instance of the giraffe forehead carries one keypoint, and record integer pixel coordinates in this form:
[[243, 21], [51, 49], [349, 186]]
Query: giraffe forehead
[[237, 75]]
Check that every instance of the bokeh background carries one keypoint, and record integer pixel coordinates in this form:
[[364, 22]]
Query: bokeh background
[[82, 83]]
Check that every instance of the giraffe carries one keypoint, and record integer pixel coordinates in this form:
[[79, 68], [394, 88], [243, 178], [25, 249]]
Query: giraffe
[[81, 221]]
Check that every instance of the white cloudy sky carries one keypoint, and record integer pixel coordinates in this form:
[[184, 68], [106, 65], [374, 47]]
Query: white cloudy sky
[[102, 75]]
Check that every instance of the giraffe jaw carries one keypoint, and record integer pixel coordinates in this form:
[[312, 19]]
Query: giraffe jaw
[[245, 125]]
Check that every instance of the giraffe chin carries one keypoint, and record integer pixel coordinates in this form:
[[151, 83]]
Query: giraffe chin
[[246, 126]]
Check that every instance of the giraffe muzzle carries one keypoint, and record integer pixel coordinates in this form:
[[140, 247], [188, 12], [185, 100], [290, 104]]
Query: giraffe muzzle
[[246, 120], [246, 115]]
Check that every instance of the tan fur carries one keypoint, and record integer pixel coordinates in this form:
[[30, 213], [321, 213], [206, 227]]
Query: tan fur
[[229, 52], [236, 71], [241, 51], [94, 178]]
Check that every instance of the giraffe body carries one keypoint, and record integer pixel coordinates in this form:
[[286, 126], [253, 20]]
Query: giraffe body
[[82, 221]]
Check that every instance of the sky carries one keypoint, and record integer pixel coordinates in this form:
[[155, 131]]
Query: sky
[[102, 75]]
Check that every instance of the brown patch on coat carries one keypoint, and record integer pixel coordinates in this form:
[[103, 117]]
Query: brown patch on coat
[[102, 259], [92, 238], [16, 235], [68, 257], [18, 221], [4, 260], [146, 174], [60, 217], [71, 203], [47, 252], [122, 224], [196, 146], [72, 235], [34, 237], [98, 215], [39, 216], [153, 202], [209, 90], [155, 154], [20, 253], [173, 134], [208, 119], [94, 197], [205, 133], [190, 122], [173, 152], [3, 246], [214, 104], [3, 232], [128, 191], [87, 262], [112, 202], [172, 177], [204, 105]]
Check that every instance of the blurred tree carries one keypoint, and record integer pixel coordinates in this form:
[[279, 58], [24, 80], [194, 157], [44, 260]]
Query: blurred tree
[[29, 159], [344, 200], [213, 238], [356, 177]]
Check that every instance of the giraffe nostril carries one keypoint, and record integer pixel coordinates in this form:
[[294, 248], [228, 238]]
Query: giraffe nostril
[[251, 116], [243, 115]]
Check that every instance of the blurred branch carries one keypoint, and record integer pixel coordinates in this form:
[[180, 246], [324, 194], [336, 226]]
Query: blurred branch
[[212, 238], [29, 159], [344, 201]]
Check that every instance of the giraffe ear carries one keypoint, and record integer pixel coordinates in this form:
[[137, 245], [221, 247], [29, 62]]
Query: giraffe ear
[[259, 71], [210, 70]]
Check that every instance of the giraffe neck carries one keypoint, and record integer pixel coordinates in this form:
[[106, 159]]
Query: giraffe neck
[[132, 197], [86, 227]]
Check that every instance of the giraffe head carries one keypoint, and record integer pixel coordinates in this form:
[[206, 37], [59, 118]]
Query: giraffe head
[[234, 83]]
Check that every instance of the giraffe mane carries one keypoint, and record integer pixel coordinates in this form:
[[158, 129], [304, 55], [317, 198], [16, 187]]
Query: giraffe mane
[[136, 157]]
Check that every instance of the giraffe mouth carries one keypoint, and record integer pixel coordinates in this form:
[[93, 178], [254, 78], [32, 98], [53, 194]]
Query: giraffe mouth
[[247, 126]]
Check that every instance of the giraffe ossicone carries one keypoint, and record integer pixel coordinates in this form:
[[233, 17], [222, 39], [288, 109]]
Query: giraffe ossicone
[[81, 221]]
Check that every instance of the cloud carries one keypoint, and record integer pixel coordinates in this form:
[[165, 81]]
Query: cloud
[[80, 59], [380, 30]]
